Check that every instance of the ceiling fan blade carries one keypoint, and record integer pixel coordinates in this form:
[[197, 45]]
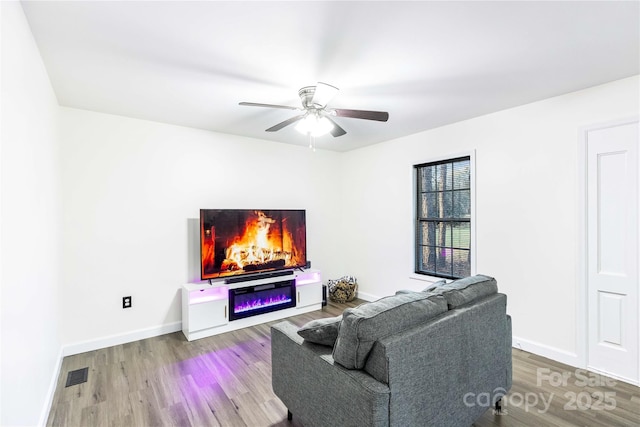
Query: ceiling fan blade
[[255, 104], [336, 131], [285, 123], [323, 94], [381, 116]]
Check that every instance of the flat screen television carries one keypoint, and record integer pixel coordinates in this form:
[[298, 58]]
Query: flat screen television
[[247, 241]]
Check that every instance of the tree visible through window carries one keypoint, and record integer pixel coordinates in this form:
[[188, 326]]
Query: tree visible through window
[[443, 219]]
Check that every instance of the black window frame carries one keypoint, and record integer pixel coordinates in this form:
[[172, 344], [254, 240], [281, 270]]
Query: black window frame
[[448, 221]]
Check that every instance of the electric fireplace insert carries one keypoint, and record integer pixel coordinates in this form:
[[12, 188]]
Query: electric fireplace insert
[[260, 299]]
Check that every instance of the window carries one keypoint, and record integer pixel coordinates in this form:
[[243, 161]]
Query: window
[[443, 218]]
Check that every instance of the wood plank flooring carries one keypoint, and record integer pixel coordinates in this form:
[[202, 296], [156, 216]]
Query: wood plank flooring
[[225, 380]]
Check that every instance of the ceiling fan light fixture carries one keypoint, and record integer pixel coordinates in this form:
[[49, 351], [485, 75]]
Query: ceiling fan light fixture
[[315, 118], [314, 125]]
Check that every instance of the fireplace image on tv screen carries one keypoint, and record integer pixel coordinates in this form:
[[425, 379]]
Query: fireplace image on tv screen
[[243, 241]]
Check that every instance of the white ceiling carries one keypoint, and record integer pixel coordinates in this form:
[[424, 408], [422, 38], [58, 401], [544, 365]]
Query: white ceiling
[[426, 63]]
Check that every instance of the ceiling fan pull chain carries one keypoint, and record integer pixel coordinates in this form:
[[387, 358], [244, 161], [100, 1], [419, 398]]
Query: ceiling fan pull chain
[[312, 141]]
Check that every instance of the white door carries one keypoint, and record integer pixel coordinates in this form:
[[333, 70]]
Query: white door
[[612, 251]]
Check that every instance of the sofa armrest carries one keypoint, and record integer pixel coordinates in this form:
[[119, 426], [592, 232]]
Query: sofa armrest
[[319, 392]]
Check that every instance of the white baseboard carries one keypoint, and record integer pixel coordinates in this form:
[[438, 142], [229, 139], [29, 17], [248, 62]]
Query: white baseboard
[[367, 296], [562, 356], [44, 416], [140, 334], [615, 377]]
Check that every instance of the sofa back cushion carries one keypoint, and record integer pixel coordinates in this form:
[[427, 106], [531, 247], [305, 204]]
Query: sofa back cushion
[[467, 290], [363, 325]]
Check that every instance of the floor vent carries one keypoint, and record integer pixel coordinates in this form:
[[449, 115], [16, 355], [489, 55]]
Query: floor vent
[[77, 377]]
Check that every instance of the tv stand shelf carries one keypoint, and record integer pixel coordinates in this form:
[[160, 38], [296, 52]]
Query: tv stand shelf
[[205, 307]]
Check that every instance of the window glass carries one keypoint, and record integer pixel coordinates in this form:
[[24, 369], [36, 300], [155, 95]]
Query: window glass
[[443, 218]]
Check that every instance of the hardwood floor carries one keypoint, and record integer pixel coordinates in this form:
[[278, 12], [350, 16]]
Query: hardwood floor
[[225, 380]]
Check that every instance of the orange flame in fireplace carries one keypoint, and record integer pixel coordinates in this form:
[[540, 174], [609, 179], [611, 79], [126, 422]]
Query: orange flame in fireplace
[[263, 241]]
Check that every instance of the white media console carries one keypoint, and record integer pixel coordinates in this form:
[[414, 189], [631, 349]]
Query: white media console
[[205, 307]]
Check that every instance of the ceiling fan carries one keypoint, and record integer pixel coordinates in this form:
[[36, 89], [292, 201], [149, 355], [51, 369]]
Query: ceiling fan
[[316, 118]]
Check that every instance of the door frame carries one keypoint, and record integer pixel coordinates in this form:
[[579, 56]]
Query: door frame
[[582, 301]]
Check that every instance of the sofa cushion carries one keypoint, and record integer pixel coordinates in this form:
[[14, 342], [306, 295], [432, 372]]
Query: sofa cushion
[[467, 290], [363, 325], [321, 331]]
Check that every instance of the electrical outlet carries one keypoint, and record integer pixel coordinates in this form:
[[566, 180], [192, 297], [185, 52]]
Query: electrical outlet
[[126, 302]]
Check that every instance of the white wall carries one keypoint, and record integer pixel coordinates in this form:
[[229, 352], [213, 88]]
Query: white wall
[[29, 228], [131, 191], [526, 195]]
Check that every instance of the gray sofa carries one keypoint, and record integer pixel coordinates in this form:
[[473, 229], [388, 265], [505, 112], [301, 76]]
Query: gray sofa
[[440, 357]]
